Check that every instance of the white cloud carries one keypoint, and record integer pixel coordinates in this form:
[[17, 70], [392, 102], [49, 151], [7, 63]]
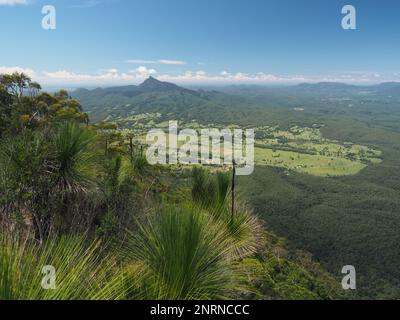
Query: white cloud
[[172, 62], [105, 77], [138, 61], [162, 61], [226, 77], [112, 76], [27, 71], [12, 2], [143, 72], [72, 78], [109, 70]]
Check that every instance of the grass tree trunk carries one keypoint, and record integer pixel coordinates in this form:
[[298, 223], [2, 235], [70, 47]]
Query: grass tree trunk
[[233, 188], [131, 148]]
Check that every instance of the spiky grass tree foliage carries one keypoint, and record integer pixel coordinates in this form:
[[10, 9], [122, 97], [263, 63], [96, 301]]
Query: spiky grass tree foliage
[[44, 172], [182, 254], [82, 272], [223, 181], [117, 197], [119, 177], [245, 229], [200, 192], [210, 190], [74, 158], [140, 163]]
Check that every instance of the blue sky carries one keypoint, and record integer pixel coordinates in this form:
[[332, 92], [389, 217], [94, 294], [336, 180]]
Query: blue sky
[[107, 42]]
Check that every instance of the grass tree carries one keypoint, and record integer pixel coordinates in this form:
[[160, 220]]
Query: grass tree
[[74, 158], [43, 172], [181, 255], [213, 191], [81, 271], [185, 253], [210, 189]]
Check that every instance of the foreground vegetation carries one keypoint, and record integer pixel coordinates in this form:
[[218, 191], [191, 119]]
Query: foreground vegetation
[[73, 197]]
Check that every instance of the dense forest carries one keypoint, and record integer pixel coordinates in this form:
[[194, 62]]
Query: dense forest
[[343, 220], [80, 197]]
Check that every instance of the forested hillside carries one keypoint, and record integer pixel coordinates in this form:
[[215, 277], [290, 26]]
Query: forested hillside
[[350, 218], [80, 197]]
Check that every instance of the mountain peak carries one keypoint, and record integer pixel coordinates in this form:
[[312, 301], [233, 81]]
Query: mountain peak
[[152, 83], [151, 79]]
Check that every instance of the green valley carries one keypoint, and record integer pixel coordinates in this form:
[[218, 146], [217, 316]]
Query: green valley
[[327, 173]]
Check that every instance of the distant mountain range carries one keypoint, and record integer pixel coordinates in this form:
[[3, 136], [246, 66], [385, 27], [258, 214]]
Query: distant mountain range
[[154, 96], [149, 85], [232, 102], [381, 88], [328, 88]]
